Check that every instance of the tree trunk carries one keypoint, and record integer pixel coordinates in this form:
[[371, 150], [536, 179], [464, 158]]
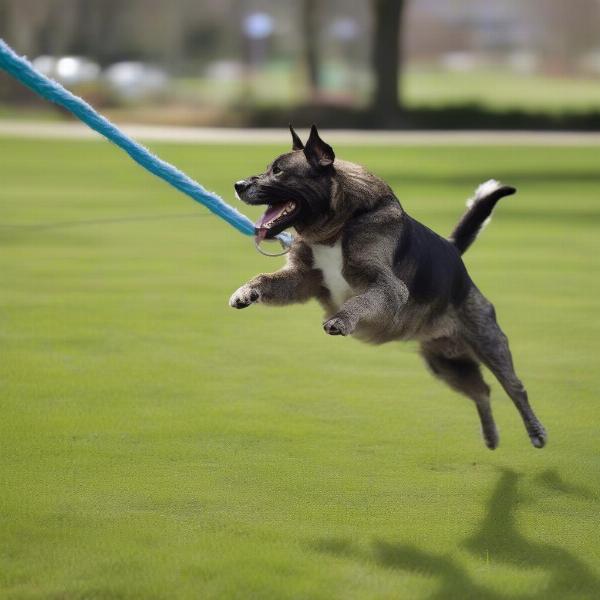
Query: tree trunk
[[310, 30], [386, 57]]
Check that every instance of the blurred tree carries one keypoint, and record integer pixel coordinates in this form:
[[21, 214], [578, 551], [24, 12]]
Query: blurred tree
[[97, 30], [310, 30], [386, 62], [567, 30]]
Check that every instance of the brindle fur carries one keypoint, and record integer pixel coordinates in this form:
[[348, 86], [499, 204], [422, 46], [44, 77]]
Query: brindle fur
[[407, 282]]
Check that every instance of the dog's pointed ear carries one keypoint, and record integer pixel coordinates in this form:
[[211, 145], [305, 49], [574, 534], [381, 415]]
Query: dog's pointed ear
[[317, 152], [296, 141]]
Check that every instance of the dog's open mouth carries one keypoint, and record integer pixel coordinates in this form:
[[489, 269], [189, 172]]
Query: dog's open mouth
[[276, 218]]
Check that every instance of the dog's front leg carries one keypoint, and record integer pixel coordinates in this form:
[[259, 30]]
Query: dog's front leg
[[287, 286], [381, 300]]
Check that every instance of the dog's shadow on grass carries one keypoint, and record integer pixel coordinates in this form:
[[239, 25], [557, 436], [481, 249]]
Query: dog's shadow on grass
[[500, 541]]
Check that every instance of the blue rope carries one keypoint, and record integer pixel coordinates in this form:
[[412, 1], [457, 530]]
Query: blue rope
[[22, 70]]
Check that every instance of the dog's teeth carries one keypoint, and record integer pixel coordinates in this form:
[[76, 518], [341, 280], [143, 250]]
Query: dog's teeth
[[289, 207]]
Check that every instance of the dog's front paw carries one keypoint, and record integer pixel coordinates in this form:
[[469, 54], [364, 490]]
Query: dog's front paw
[[338, 326], [243, 297]]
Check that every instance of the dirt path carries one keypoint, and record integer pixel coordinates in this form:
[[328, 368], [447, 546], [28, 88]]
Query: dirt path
[[213, 135]]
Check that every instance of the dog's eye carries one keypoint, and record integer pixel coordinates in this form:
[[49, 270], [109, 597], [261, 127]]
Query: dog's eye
[[276, 170]]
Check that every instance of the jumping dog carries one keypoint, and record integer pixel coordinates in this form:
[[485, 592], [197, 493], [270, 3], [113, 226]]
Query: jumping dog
[[381, 275]]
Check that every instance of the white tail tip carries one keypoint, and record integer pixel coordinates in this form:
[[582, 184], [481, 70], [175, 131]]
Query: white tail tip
[[484, 190]]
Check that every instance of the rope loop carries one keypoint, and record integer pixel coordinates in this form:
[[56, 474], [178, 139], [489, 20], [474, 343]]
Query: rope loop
[[286, 248]]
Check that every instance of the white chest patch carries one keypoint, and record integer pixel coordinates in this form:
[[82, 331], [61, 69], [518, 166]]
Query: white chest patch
[[329, 260]]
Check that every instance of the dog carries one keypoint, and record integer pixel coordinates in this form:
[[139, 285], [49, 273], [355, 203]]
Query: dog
[[381, 275]]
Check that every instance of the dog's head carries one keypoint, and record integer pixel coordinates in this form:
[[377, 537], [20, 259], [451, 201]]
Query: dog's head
[[296, 187]]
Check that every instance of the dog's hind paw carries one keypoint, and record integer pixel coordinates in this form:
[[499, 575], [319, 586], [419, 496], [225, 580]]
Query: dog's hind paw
[[491, 439], [539, 439], [244, 296], [537, 435]]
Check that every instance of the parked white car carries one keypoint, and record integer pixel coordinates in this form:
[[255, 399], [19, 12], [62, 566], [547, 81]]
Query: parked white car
[[136, 80], [70, 70]]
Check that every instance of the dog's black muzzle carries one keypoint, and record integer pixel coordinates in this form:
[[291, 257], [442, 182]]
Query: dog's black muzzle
[[242, 185], [244, 190]]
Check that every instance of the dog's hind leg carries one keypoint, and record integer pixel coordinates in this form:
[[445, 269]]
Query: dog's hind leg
[[490, 345], [464, 375]]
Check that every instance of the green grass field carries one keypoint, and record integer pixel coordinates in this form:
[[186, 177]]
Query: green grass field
[[500, 90], [494, 89], [202, 100], [155, 443]]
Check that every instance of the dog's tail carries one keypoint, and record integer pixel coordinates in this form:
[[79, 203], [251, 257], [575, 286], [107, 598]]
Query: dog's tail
[[478, 213]]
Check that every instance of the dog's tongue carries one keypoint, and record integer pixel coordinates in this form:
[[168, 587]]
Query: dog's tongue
[[262, 227]]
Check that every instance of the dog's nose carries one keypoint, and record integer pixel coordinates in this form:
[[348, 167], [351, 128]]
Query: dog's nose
[[241, 185]]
